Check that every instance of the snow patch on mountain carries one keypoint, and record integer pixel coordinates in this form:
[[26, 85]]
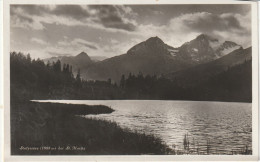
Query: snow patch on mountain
[[215, 44], [195, 50], [226, 48], [173, 52], [230, 49]]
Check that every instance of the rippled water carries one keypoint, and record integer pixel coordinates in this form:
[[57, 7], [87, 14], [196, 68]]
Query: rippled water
[[226, 126]]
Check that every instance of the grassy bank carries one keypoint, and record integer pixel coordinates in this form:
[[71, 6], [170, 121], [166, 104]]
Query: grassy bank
[[53, 129]]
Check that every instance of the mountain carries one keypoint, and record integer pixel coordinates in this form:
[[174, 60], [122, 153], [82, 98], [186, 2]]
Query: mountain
[[80, 61], [205, 48], [98, 58], [233, 84], [198, 50], [152, 46], [201, 73], [152, 57], [226, 48]]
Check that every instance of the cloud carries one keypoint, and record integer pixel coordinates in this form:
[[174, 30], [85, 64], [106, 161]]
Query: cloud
[[212, 24], [87, 44], [77, 45], [35, 53], [38, 41], [30, 9], [26, 23], [204, 21], [187, 26], [111, 30], [113, 16], [55, 54], [73, 11], [105, 16], [25, 19], [22, 19], [157, 12], [70, 47], [114, 41], [120, 47]]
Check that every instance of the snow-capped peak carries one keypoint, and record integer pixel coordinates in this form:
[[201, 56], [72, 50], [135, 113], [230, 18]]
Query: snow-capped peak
[[226, 48]]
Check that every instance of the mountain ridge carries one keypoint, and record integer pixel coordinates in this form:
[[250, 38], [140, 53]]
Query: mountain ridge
[[202, 72], [80, 61], [149, 57], [153, 57]]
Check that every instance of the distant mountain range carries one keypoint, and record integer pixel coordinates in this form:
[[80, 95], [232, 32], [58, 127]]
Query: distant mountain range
[[152, 57], [195, 60], [81, 61], [202, 72], [98, 58], [204, 49]]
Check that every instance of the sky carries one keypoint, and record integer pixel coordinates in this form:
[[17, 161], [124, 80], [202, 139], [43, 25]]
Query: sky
[[108, 30]]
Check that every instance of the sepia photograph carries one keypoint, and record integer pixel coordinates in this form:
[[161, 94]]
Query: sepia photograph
[[131, 79]]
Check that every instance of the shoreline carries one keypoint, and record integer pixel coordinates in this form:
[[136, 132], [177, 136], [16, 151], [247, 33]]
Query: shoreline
[[55, 129], [50, 100], [129, 99]]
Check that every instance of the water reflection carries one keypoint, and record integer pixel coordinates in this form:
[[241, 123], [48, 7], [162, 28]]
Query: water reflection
[[225, 126]]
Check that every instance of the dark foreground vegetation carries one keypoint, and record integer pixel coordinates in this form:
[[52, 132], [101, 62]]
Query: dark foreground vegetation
[[193, 147], [53, 129]]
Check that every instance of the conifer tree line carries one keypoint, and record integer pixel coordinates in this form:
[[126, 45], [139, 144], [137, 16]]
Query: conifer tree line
[[35, 70], [33, 79]]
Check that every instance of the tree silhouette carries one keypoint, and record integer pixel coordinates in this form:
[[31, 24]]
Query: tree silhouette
[[78, 79], [57, 66], [122, 81]]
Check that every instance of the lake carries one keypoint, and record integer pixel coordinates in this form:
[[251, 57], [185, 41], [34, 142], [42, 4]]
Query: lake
[[222, 126]]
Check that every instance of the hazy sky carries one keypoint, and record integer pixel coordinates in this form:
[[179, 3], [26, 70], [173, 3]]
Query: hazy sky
[[106, 30]]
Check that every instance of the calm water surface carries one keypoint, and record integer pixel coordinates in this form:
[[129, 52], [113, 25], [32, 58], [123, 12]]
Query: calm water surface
[[227, 126]]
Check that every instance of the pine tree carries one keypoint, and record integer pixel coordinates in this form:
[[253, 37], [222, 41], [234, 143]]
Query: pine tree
[[71, 73], [64, 68], [109, 81], [48, 64], [28, 58], [57, 66], [78, 79], [78, 75], [122, 81], [67, 68]]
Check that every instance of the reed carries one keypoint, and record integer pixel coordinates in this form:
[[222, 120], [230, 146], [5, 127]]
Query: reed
[[56, 126]]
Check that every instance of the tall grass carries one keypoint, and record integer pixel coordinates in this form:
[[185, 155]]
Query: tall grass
[[195, 148], [53, 126]]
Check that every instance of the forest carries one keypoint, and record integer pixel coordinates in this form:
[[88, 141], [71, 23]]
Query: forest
[[32, 79]]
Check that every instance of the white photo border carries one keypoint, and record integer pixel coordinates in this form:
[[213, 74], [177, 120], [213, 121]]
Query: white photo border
[[6, 78]]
